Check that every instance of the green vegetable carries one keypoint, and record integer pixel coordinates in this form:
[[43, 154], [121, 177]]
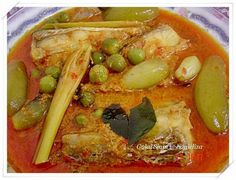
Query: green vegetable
[[54, 71], [63, 17], [98, 74], [210, 95], [87, 98], [52, 20], [146, 74], [16, 86], [141, 120], [117, 118], [81, 120], [62, 97], [116, 62], [188, 69], [130, 13], [47, 84], [97, 57], [111, 46], [98, 113], [31, 113], [102, 24], [136, 55], [35, 73]]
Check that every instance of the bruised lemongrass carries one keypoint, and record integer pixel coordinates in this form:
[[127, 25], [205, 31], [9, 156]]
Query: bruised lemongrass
[[72, 73], [108, 24]]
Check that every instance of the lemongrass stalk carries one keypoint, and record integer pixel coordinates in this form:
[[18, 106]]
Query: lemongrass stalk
[[72, 73], [107, 24]]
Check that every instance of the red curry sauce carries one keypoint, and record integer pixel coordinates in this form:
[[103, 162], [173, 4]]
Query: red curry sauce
[[211, 158]]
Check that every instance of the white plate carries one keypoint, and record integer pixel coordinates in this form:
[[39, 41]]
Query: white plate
[[213, 20]]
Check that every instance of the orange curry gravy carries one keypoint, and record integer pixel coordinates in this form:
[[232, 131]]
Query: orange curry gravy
[[211, 158]]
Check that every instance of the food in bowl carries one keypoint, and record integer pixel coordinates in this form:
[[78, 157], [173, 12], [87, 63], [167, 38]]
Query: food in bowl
[[122, 90]]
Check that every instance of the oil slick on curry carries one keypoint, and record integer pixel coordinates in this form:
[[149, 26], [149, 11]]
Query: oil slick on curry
[[84, 92]]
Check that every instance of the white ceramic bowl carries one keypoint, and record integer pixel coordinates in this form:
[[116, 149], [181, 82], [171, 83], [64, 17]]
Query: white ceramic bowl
[[213, 20]]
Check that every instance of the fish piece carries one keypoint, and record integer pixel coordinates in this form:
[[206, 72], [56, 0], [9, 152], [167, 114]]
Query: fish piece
[[53, 46], [173, 115], [168, 147], [161, 42], [162, 144], [102, 146], [85, 146]]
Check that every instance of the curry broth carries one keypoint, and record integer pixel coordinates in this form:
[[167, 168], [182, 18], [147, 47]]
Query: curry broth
[[211, 158]]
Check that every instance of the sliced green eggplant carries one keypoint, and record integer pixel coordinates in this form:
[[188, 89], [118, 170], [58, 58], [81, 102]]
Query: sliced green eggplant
[[17, 83], [146, 74], [210, 95], [130, 13], [31, 113]]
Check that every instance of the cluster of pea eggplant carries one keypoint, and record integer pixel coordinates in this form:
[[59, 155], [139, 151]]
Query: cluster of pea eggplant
[[115, 62], [99, 73]]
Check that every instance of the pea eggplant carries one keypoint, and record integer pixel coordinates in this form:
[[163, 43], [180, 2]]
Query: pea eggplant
[[111, 46], [31, 113], [136, 55], [98, 74], [17, 83], [210, 95], [87, 98], [116, 63], [47, 84]]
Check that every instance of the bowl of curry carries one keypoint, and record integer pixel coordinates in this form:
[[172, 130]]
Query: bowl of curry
[[117, 89]]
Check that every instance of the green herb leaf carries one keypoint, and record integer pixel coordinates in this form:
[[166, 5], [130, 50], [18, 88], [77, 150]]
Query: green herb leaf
[[117, 118], [141, 121]]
